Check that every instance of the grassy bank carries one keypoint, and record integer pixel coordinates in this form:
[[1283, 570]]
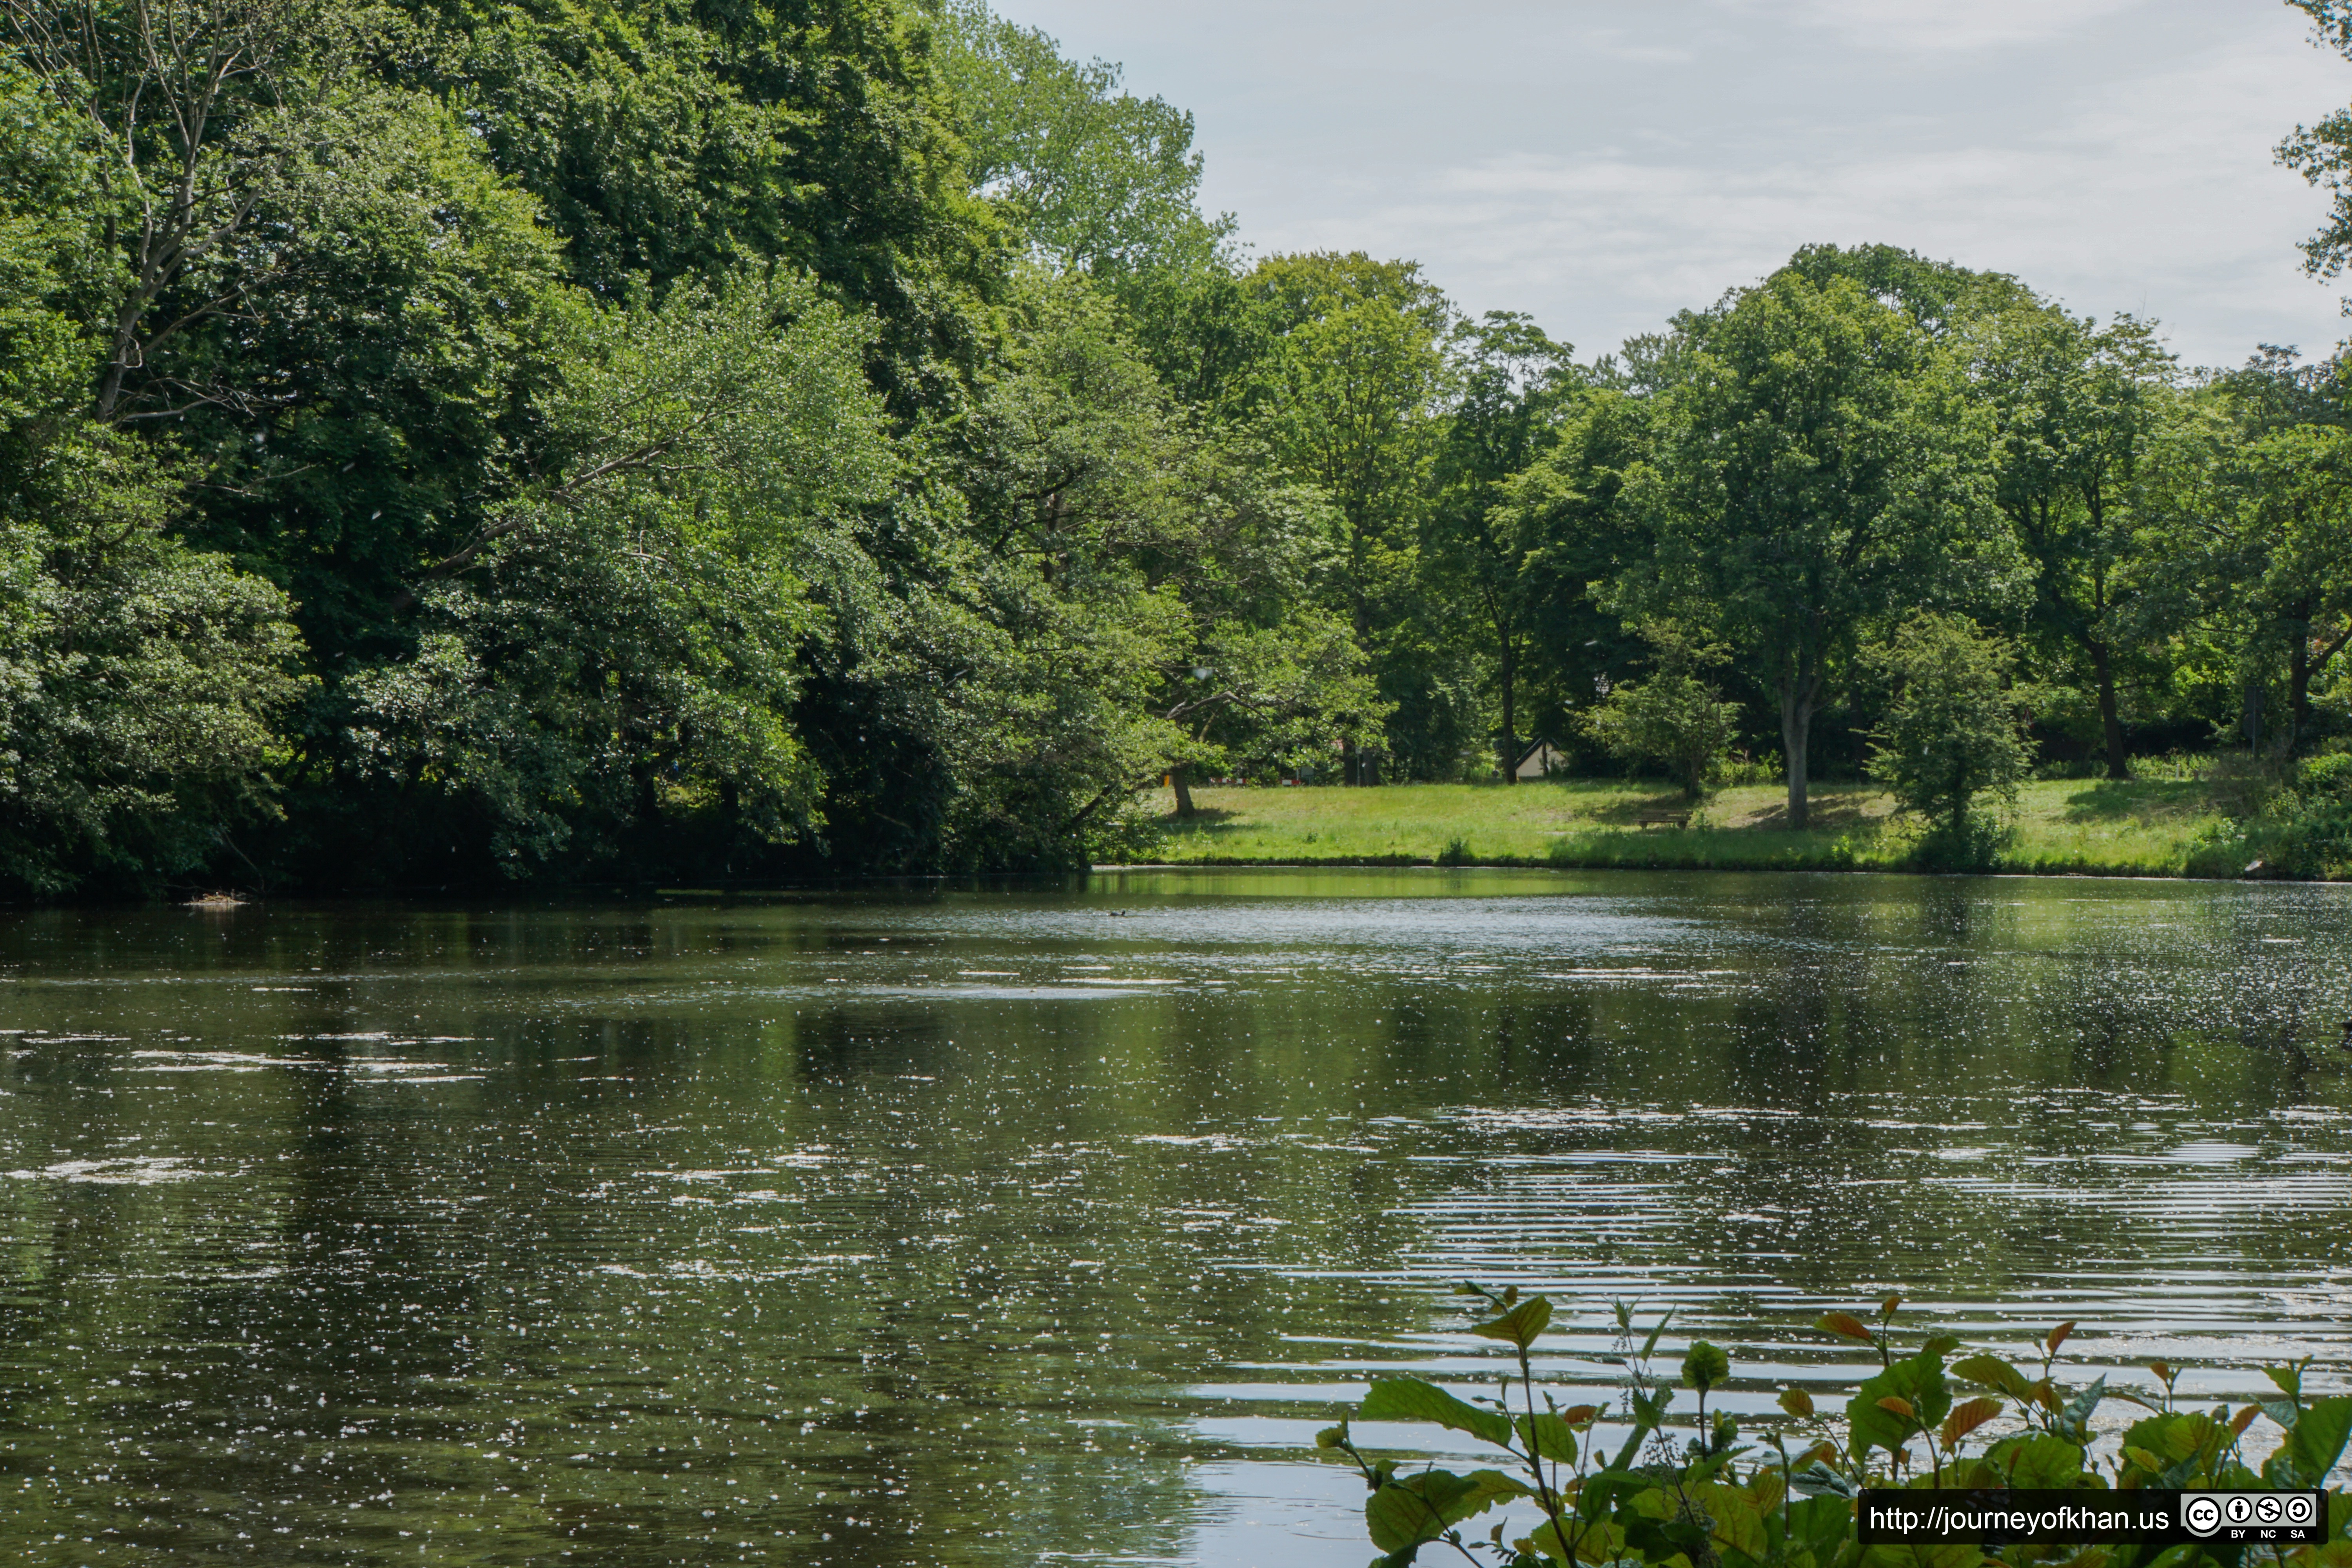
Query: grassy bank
[[2139, 827]]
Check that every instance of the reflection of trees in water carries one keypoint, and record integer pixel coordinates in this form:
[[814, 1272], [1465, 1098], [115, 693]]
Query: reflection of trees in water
[[914, 1182]]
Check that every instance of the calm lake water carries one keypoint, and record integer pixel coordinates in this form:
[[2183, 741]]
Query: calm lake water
[[998, 1228]]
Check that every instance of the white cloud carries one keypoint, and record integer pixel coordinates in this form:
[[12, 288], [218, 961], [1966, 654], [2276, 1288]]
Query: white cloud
[[1917, 26], [1601, 165]]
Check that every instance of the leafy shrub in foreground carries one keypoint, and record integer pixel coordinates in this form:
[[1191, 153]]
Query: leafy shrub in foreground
[[1790, 1503]]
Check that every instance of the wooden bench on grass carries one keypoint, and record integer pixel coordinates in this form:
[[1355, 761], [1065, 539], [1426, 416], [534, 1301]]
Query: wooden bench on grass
[[1649, 819]]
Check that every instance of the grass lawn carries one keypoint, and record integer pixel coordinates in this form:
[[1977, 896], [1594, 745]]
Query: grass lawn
[[2144, 827]]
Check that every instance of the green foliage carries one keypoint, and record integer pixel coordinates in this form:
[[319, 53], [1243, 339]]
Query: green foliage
[[663, 142], [1511, 381], [1348, 393], [2322, 153], [1673, 718], [1952, 732], [1092, 179], [1817, 465], [2075, 409], [623, 629], [448, 442], [142, 683], [1790, 1506]]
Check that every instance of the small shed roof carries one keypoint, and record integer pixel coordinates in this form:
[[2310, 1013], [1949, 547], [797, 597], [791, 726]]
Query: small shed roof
[[1538, 760]]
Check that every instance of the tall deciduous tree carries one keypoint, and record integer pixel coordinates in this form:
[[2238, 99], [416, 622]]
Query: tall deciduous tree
[[201, 110], [1091, 178], [2075, 407], [617, 640], [143, 683], [1350, 395], [1817, 470], [1510, 384]]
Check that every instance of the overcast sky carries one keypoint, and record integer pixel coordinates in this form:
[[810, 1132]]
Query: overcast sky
[[1600, 163]]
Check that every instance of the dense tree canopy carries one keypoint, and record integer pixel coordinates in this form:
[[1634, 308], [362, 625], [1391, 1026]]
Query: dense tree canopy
[[447, 443]]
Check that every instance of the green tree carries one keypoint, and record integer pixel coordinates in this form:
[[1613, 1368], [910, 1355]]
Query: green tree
[[1091, 178], [1132, 515], [2247, 564], [1511, 382], [1673, 718], [142, 682], [197, 113], [2074, 406], [1817, 468], [2296, 518], [663, 142], [1953, 732], [2322, 153], [1580, 534], [1350, 395], [615, 647]]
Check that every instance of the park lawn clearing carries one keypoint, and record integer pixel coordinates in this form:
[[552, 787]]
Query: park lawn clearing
[[2136, 827]]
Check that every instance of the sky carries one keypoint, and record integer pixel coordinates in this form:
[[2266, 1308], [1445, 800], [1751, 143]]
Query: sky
[[1602, 163]]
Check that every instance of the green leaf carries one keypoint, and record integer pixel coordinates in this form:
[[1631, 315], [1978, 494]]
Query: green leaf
[[2074, 1421], [1705, 1366], [1650, 1345], [1547, 1437], [2319, 1436], [1520, 1325], [1919, 1383], [1737, 1525], [1416, 1509], [1662, 1538], [2039, 1461], [1820, 1479], [1940, 1344], [2289, 1379], [1616, 1489], [2169, 1439], [1819, 1524], [1991, 1372], [1411, 1399]]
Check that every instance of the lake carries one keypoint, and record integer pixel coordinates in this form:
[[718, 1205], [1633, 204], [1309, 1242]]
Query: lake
[[1004, 1226]]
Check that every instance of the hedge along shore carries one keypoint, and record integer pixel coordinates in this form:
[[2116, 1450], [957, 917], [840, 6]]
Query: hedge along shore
[[2137, 828]]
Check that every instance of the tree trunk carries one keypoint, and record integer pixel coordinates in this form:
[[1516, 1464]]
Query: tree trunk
[[1796, 728], [2298, 684], [1510, 727], [1179, 778], [2110, 719]]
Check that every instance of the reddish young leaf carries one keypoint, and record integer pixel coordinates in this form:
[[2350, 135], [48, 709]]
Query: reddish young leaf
[[1845, 1325], [1966, 1419]]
